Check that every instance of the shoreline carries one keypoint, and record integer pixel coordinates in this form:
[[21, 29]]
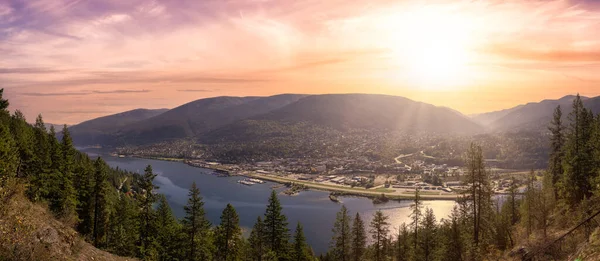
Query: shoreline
[[347, 191]]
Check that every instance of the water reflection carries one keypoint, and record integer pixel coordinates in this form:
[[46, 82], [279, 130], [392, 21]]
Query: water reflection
[[312, 208]]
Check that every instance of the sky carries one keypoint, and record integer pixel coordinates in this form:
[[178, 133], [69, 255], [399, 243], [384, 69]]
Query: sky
[[73, 60]]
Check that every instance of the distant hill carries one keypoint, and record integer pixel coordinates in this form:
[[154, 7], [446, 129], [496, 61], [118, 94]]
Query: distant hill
[[370, 111], [533, 116], [335, 111], [98, 130], [188, 120]]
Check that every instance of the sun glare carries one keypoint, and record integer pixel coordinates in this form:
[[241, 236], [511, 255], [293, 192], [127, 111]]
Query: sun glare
[[433, 49]]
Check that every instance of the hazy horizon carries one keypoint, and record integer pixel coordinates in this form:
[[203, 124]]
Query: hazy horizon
[[76, 60]]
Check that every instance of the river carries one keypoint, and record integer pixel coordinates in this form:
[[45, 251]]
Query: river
[[311, 208]]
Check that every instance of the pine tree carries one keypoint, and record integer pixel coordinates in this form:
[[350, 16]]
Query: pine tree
[[8, 155], [578, 158], [3, 102], [479, 192], [555, 166], [100, 202], [124, 227], [359, 239], [84, 183], [300, 251], [257, 240], [276, 232], [379, 233], [169, 232], [228, 237], [341, 242], [453, 231], [196, 226], [403, 246], [415, 215], [23, 137], [67, 195], [428, 237], [147, 214], [39, 188], [55, 174]]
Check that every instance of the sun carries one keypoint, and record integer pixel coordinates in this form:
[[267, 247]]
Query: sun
[[432, 49]]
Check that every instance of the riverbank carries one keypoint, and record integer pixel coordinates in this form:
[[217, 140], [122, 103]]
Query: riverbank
[[356, 191], [370, 193]]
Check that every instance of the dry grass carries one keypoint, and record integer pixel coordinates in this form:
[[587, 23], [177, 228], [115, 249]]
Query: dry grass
[[29, 231]]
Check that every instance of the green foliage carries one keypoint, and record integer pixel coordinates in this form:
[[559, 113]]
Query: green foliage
[[359, 239], [101, 199], [170, 234], [341, 242], [257, 240], [228, 236], [276, 232], [415, 214], [578, 162], [428, 240], [67, 195], [124, 229], [379, 233], [196, 227], [300, 249], [8, 157], [147, 241]]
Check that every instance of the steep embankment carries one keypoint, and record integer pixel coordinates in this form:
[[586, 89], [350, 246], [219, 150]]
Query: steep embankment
[[29, 232]]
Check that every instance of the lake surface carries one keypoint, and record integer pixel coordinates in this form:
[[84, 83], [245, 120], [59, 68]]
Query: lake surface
[[312, 208]]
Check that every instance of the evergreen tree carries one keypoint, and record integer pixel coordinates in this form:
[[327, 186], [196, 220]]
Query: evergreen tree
[[23, 137], [67, 195], [84, 182], [3, 102], [100, 202], [8, 155], [513, 203], [528, 204], [276, 232], [55, 174], [403, 247], [124, 227], [147, 244], [428, 235], [341, 242], [379, 233], [168, 232], [479, 193], [578, 158], [555, 166], [454, 245], [257, 240], [197, 227], [359, 239], [300, 252], [228, 237], [39, 189], [415, 215]]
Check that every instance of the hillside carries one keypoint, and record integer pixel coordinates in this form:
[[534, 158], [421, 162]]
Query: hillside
[[533, 116], [376, 112], [29, 232], [99, 130], [187, 120]]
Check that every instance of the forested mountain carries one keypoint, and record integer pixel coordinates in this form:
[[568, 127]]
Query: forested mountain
[[100, 129], [371, 111], [188, 120], [532, 116], [342, 112]]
